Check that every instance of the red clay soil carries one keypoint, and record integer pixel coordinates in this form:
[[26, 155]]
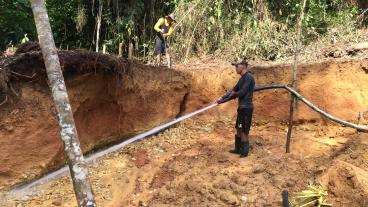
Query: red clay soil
[[113, 99], [189, 165], [339, 87]]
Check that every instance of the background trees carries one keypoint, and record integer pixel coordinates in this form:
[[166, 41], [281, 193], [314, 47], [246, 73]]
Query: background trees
[[259, 28]]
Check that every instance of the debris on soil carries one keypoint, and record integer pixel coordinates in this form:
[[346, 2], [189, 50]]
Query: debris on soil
[[112, 99], [344, 50], [191, 172], [346, 181], [189, 164], [140, 158]]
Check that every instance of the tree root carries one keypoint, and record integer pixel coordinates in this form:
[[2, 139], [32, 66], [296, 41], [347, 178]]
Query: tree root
[[13, 90], [24, 76], [4, 102]]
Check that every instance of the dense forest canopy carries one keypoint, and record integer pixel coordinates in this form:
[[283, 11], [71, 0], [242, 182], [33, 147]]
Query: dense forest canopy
[[262, 28]]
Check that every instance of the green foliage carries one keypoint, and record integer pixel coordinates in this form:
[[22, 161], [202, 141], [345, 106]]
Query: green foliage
[[128, 21], [15, 21], [63, 15], [259, 28]]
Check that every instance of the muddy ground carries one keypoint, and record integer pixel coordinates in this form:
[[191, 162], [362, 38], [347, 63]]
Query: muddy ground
[[188, 165]]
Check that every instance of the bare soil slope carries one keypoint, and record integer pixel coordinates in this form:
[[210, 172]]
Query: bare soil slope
[[113, 99], [189, 165], [337, 86]]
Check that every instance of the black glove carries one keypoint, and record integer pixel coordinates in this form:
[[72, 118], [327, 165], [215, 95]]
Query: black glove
[[227, 97], [220, 101]]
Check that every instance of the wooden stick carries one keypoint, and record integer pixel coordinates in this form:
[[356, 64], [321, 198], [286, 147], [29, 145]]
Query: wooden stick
[[294, 80]]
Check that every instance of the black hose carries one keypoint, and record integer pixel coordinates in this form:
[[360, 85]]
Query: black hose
[[315, 108], [285, 198]]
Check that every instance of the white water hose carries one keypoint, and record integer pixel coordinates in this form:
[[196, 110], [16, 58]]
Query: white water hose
[[157, 129]]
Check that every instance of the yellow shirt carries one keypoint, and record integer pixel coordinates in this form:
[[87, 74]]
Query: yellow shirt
[[163, 21]]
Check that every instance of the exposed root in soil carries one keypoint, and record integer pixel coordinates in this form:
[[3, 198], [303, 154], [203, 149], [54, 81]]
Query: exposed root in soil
[[112, 99], [27, 65], [188, 165]]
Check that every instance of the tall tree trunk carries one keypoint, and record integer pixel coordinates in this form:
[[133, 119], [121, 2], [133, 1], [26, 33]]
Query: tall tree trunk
[[77, 165], [294, 80], [99, 16], [130, 50], [120, 54]]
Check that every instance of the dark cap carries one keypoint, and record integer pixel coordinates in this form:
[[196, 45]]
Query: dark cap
[[242, 61]]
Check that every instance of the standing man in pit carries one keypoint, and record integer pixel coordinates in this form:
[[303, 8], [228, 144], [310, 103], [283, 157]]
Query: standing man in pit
[[164, 28], [243, 90]]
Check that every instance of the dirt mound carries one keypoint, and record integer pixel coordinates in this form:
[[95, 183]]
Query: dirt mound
[[27, 66], [336, 86], [111, 98], [338, 51], [189, 164], [27, 47], [346, 182]]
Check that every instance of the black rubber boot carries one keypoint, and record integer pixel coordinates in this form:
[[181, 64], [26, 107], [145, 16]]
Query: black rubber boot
[[236, 150], [244, 149]]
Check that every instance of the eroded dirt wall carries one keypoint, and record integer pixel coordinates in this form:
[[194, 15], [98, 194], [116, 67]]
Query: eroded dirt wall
[[113, 99], [109, 106], [338, 87]]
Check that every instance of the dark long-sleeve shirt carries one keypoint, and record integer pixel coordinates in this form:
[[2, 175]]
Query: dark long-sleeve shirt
[[244, 91]]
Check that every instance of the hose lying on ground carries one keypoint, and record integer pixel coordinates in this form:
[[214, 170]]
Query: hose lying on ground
[[160, 128], [315, 108], [114, 148]]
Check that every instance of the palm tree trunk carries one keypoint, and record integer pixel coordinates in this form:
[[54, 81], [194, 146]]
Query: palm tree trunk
[[77, 165]]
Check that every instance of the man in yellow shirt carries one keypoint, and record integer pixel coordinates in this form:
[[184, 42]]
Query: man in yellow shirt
[[164, 28]]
